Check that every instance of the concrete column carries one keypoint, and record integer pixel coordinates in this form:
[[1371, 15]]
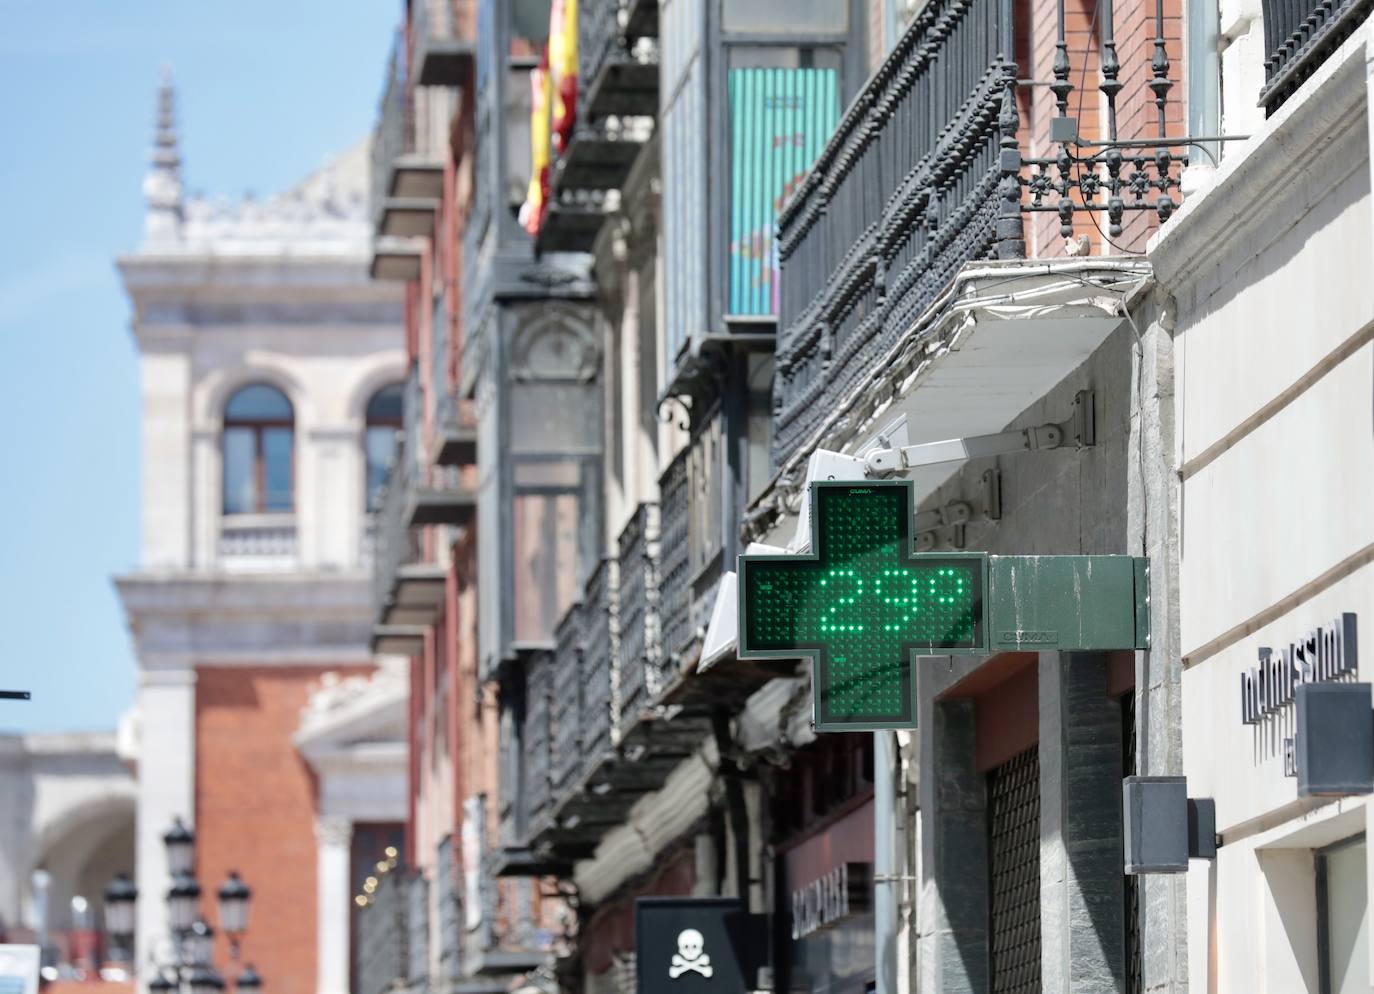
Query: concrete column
[[1153, 516], [333, 840], [166, 790], [1081, 885], [954, 853]]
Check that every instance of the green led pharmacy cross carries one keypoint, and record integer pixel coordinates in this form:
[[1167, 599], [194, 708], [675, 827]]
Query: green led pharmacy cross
[[861, 604]]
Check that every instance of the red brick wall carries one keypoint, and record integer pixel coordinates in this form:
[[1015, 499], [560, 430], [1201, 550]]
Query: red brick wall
[[255, 813], [1134, 23]]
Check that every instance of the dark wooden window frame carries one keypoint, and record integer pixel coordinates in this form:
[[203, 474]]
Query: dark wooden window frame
[[258, 426]]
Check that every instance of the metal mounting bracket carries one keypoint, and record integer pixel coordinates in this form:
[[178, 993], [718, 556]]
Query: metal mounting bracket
[[1080, 430]]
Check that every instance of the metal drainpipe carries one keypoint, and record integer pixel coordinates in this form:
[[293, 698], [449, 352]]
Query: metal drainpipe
[[885, 887]]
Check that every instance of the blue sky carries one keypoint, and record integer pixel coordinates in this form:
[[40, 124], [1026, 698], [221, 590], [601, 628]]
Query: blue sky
[[266, 89]]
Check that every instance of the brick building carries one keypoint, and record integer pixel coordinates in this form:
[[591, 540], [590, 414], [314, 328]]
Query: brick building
[[271, 379]]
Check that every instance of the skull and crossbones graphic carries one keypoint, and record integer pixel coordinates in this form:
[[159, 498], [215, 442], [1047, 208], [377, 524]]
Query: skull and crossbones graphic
[[690, 955]]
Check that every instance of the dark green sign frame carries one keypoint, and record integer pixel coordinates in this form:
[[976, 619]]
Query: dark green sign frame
[[861, 605]]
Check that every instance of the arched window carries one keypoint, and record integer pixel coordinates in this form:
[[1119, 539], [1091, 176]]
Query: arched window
[[383, 420], [259, 462]]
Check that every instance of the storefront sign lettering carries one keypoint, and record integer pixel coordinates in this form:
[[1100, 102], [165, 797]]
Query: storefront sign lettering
[[823, 902], [1326, 653]]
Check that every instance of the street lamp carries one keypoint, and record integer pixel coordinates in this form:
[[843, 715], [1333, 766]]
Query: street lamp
[[183, 902], [200, 942], [119, 910], [234, 896], [180, 842], [192, 970]]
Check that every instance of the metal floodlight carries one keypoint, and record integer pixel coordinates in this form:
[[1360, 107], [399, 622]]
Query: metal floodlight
[[120, 898], [234, 899], [183, 902], [180, 842]]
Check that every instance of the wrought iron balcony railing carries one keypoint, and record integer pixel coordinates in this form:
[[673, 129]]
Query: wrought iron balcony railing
[[406, 591], [926, 173], [442, 33], [455, 434], [407, 175], [640, 653], [507, 940], [449, 903], [903, 194], [538, 745], [617, 70], [386, 933], [417, 931], [1299, 35], [675, 573], [598, 664], [567, 702], [617, 98]]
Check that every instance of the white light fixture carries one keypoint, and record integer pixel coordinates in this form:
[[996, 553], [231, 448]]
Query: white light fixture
[[180, 842], [234, 898], [183, 902]]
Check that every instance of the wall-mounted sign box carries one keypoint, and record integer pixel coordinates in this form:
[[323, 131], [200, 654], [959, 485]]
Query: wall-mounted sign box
[[698, 945], [862, 604]]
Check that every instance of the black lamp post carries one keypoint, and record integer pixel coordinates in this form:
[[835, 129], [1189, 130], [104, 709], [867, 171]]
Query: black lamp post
[[234, 897], [183, 902], [191, 970], [120, 897], [180, 842]]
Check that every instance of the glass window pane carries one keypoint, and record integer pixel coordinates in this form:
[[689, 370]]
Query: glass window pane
[[385, 405], [277, 469], [380, 444], [1347, 919], [545, 536], [239, 482], [529, 27], [785, 16], [258, 402], [519, 101]]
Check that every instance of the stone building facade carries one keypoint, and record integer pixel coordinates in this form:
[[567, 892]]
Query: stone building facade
[[271, 374]]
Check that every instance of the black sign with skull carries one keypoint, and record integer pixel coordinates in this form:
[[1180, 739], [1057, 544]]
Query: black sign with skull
[[695, 945]]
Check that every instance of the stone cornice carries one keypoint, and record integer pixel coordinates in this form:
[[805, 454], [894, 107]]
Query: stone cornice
[[1257, 181], [175, 591]]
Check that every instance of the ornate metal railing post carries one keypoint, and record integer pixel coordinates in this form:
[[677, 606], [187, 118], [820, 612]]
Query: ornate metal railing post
[[1011, 231]]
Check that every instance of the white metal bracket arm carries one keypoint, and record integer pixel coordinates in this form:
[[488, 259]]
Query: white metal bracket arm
[[1079, 430]]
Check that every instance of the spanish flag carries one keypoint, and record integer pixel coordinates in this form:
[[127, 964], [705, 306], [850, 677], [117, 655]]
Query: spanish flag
[[537, 196], [563, 66]]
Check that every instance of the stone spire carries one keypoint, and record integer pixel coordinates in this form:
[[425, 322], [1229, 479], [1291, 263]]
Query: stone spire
[[162, 185]]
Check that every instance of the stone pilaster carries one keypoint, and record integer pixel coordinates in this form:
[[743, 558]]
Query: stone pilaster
[[1081, 884], [334, 840]]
